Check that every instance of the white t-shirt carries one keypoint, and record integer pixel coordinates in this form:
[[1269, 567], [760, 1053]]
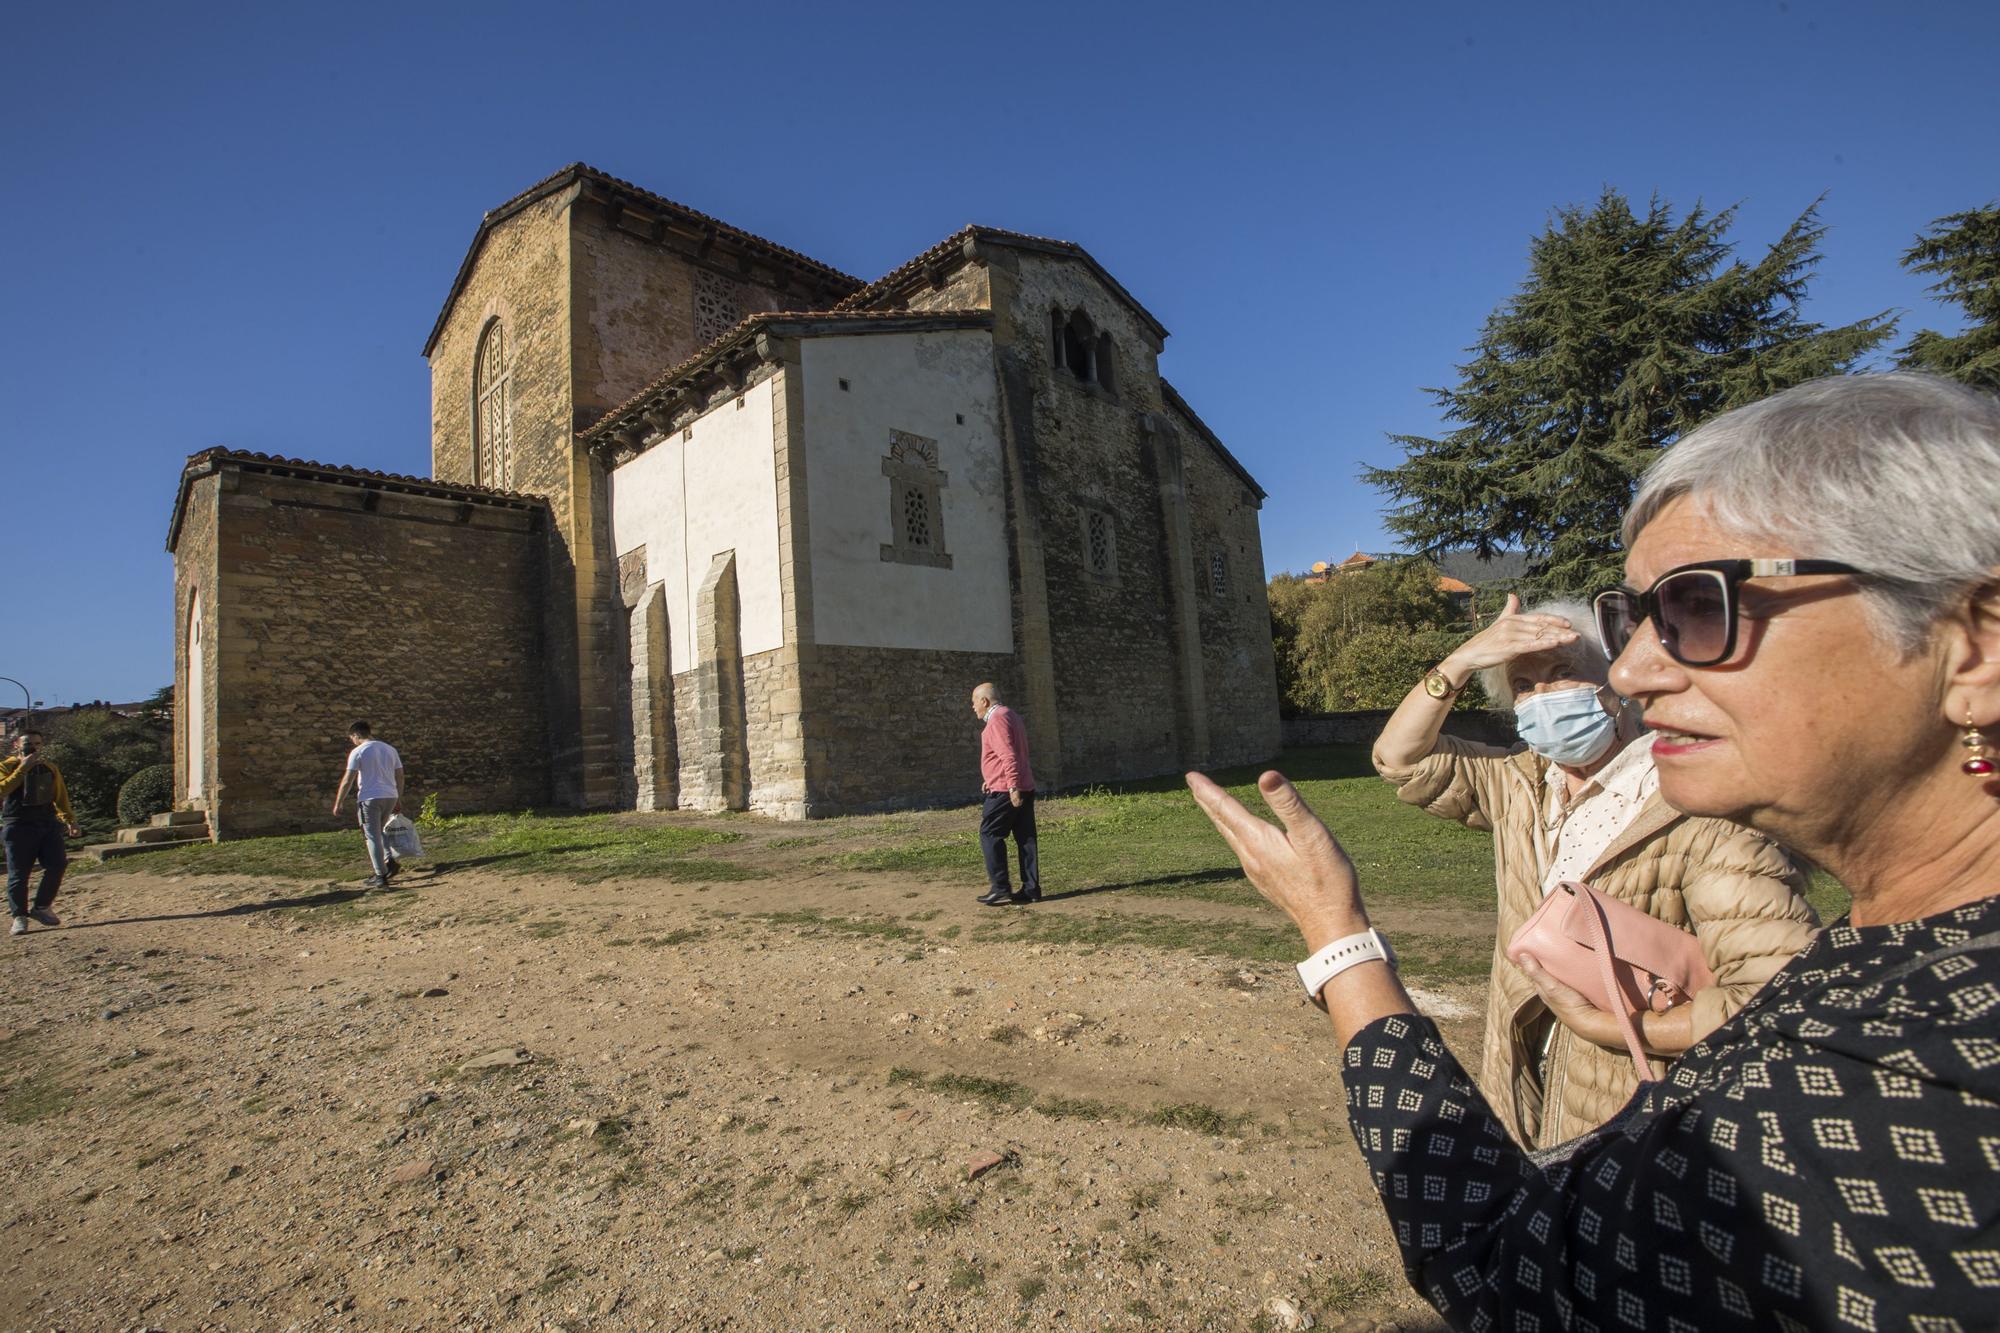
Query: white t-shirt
[[376, 763]]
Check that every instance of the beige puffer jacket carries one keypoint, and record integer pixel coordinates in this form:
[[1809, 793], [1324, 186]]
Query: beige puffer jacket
[[1737, 891]]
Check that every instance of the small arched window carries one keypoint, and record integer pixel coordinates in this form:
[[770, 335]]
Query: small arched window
[[492, 423], [1076, 345]]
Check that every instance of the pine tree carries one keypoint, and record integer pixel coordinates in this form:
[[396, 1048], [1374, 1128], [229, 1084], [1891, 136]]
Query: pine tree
[[1628, 332], [1963, 252]]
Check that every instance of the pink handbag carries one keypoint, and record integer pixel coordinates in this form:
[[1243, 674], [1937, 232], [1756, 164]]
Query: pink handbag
[[1618, 957]]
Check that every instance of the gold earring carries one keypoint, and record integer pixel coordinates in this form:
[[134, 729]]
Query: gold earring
[[1980, 763]]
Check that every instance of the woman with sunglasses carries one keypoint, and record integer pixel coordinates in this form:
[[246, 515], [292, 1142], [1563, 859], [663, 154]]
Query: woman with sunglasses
[[1830, 1156], [1581, 802]]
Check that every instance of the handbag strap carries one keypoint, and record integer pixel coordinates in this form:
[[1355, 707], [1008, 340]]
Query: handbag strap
[[1600, 939]]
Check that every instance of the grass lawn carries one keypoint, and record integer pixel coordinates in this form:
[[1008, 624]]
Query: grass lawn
[[1149, 839], [581, 848], [1139, 840]]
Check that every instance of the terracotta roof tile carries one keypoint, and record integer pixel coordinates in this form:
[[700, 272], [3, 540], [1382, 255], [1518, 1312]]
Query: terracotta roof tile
[[952, 247], [386, 481]]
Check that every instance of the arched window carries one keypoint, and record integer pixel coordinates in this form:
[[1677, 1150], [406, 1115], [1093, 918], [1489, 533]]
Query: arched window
[[492, 423], [194, 709], [1076, 345]]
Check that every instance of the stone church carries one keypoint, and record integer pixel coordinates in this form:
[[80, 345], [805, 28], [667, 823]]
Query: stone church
[[712, 525]]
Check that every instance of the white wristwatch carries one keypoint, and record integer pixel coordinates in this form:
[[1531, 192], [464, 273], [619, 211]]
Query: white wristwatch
[[1340, 955]]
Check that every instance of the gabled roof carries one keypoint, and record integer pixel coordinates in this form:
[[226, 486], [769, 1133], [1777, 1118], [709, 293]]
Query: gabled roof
[[1174, 400], [947, 255], [209, 460], [790, 323], [579, 171]]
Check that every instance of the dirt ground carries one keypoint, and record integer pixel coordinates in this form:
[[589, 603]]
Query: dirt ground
[[482, 1101]]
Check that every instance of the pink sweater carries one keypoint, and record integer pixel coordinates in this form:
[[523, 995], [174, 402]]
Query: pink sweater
[[1003, 752]]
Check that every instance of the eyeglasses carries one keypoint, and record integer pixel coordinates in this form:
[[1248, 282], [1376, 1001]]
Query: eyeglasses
[[1693, 607]]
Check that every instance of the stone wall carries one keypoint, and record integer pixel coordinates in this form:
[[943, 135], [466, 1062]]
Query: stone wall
[[1112, 638], [337, 601], [861, 756], [1239, 666], [521, 279], [1361, 728]]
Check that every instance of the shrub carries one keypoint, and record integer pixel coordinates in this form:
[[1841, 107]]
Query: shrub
[[146, 793], [93, 790]]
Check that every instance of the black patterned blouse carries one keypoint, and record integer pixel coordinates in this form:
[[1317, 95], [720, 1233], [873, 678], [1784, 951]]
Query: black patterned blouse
[[1827, 1159]]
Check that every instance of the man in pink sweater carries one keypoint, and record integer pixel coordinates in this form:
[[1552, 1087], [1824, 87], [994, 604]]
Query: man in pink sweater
[[1009, 786]]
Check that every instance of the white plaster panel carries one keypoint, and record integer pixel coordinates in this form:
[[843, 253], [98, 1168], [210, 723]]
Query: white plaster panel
[[686, 500], [921, 383]]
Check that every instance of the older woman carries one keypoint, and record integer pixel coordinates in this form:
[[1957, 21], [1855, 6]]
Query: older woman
[[1811, 621], [1581, 802]]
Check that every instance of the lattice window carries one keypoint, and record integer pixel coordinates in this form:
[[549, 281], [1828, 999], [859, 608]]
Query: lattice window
[[916, 518], [718, 306], [1218, 574], [916, 506], [492, 423], [1100, 544]]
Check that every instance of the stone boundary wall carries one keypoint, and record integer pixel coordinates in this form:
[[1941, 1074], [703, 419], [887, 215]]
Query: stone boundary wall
[[1361, 728], [334, 601]]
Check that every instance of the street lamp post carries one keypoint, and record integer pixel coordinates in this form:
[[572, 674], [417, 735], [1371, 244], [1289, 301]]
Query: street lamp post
[[26, 698]]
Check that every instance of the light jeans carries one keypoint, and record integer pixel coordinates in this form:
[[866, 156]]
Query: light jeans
[[374, 814]]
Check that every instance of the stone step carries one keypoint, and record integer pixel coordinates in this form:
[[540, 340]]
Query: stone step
[[172, 817], [111, 851], [164, 833]]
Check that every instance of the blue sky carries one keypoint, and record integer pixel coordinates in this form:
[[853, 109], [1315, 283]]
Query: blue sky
[[235, 224]]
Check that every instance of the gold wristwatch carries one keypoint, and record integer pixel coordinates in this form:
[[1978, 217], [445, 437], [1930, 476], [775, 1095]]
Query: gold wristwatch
[[1438, 686]]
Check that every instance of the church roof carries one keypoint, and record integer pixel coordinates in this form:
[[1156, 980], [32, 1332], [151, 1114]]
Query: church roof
[[795, 323], [1229, 460], [208, 460], [578, 171], [960, 247]]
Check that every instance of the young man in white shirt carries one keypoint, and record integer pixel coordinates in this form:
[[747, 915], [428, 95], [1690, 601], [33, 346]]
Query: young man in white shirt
[[375, 770]]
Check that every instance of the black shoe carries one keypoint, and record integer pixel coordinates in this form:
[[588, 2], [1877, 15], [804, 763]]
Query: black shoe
[[1024, 898], [395, 867], [997, 898]]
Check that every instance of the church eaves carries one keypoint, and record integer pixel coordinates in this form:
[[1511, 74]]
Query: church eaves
[[201, 464], [721, 360], [711, 228], [961, 247]]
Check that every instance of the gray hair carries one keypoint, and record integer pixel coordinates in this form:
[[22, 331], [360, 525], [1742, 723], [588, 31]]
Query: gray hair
[[1588, 651], [1896, 474], [984, 690]]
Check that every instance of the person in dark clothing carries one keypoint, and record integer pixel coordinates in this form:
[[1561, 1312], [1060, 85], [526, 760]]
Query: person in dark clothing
[[35, 817], [1811, 622]]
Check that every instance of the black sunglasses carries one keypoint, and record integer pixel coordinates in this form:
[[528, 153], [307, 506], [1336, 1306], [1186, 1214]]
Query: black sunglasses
[[1693, 607]]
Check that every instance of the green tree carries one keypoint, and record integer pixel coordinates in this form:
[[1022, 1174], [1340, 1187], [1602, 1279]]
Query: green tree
[[98, 751], [1962, 251], [1358, 640], [1628, 332]]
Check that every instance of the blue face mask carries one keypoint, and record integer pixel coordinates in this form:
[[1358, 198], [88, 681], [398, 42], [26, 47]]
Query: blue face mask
[[1566, 726]]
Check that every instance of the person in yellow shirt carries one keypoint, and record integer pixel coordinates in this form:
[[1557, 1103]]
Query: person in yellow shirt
[[34, 818]]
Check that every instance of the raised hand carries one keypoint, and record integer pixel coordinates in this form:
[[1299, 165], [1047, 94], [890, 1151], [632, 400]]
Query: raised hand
[[1509, 636], [1296, 864]]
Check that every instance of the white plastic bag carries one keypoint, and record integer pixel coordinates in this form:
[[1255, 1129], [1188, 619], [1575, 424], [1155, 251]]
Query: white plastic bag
[[401, 835]]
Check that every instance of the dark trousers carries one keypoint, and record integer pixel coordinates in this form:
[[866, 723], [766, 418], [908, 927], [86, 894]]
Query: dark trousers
[[27, 842], [999, 818]]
